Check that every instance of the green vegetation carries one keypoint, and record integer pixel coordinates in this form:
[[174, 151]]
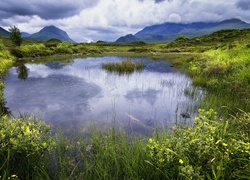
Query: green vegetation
[[216, 146], [125, 67], [24, 144], [15, 36], [224, 72], [6, 61], [213, 148]]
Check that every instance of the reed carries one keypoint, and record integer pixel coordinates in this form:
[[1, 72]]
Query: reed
[[125, 67]]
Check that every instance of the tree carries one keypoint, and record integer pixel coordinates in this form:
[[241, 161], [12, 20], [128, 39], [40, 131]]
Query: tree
[[15, 36]]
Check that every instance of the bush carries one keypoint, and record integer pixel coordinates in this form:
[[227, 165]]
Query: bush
[[52, 43], [181, 38], [23, 143], [64, 48], [34, 50], [212, 149]]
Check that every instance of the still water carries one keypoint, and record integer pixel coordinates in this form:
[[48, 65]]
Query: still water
[[80, 94]]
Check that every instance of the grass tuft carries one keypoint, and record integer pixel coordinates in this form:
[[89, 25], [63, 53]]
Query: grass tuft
[[125, 67]]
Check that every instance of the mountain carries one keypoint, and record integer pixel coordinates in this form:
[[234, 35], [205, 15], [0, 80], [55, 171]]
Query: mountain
[[3, 32], [170, 31], [25, 35], [128, 38], [50, 32]]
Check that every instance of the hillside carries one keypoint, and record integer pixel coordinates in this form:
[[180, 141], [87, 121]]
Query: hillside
[[128, 38], [50, 32], [169, 31], [3, 32]]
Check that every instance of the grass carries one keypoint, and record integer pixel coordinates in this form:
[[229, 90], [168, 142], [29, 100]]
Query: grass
[[213, 148], [6, 62], [125, 67]]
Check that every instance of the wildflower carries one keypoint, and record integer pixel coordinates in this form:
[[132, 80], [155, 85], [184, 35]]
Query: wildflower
[[44, 144], [180, 161], [224, 144], [150, 140], [27, 132]]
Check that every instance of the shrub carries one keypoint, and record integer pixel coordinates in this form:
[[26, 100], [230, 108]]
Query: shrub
[[212, 149], [23, 143], [53, 42], [181, 38], [34, 50], [64, 48]]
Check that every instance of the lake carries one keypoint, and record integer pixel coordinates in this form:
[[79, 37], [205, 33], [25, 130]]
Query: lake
[[80, 94]]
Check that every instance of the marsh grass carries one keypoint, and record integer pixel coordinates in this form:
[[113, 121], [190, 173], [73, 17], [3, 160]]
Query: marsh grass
[[225, 74], [211, 148], [125, 67], [107, 155]]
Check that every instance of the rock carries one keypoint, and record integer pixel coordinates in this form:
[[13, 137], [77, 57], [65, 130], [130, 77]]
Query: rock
[[186, 115]]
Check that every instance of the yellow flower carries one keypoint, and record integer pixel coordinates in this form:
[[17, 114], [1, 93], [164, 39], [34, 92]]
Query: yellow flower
[[224, 144], [180, 161], [44, 144], [27, 132]]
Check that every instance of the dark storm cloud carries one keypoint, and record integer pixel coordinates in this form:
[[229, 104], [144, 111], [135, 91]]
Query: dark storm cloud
[[45, 9], [158, 1], [243, 4]]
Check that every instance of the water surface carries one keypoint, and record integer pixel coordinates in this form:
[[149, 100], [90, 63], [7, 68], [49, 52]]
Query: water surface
[[80, 94]]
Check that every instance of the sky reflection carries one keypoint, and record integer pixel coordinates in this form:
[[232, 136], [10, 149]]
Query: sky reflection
[[81, 94]]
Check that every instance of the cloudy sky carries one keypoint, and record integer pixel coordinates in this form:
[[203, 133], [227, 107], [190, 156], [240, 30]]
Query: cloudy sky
[[92, 20]]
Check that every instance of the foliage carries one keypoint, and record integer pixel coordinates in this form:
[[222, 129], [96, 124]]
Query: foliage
[[24, 143], [64, 48], [35, 50], [181, 38], [125, 67], [5, 63], [52, 42], [3, 108], [15, 36], [224, 71], [212, 149]]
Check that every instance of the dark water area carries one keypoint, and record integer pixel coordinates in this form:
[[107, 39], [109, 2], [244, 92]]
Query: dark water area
[[81, 94]]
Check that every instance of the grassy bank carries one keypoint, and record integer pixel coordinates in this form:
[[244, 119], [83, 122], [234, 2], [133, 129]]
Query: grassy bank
[[6, 61]]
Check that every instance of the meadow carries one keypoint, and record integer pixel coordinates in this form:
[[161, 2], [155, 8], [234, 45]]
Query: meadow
[[216, 146]]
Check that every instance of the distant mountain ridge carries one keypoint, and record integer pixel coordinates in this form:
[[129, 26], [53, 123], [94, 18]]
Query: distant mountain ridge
[[3, 32], [128, 38], [24, 34], [50, 32], [169, 31], [46, 33]]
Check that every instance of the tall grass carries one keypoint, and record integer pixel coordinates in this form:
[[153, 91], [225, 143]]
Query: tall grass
[[125, 67], [214, 148], [225, 73], [6, 60]]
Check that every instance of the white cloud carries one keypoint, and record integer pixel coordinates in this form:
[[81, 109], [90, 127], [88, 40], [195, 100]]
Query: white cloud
[[109, 19]]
